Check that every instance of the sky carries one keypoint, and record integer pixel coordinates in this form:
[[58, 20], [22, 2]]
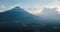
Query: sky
[[29, 5]]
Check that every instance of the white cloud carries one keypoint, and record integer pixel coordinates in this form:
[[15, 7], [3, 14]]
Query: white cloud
[[54, 6], [5, 8], [37, 11], [55, 3], [34, 11], [2, 8], [50, 13]]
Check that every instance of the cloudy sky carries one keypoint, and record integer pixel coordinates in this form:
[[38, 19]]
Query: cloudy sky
[[30, 5]]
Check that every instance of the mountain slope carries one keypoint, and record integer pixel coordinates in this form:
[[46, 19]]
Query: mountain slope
[[19, 15]]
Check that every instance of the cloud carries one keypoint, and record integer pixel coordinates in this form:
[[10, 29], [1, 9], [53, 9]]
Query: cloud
[[37, 11], [54, 6], [44, 4], [34, 11], [38, 4], [4, 8], [50, 13]]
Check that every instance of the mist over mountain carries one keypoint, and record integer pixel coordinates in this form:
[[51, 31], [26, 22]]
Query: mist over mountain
[[50, 13]]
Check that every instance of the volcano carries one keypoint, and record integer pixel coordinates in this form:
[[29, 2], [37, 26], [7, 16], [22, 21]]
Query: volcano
[[17, 14], [16, 18]]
